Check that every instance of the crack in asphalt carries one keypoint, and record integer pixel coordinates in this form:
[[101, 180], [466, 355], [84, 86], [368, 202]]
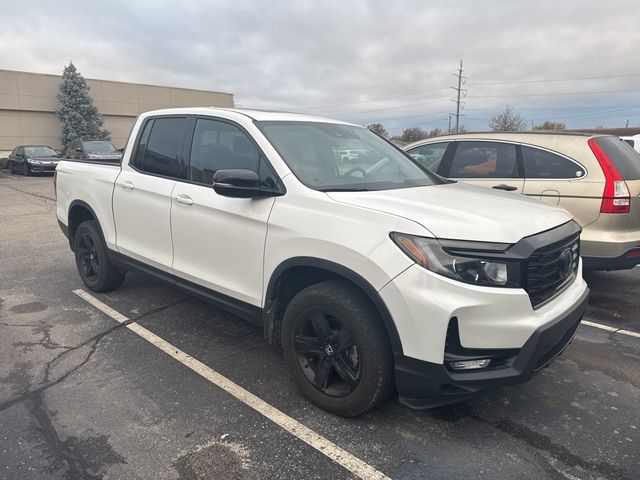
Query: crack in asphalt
[[93, 341], [76, 467], [539, 442], [44, 197], [560, 452]]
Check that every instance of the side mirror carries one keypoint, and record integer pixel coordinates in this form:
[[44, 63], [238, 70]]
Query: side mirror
[[241, 184]]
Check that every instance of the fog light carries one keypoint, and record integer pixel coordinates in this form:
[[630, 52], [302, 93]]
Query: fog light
[[469, 364]]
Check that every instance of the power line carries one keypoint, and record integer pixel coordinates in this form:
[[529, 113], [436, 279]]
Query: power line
[[506, 82], [392, 108], [513, 82], [373, 100], [555, 94]]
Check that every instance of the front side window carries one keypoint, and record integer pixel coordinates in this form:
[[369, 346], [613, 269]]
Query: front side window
[[162, 155], [430, 155], [484, 160], [335, 157], [217, 146], [543, 164]]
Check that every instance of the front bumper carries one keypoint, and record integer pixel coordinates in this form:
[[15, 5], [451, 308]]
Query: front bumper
[[42, 168], [424, 384]]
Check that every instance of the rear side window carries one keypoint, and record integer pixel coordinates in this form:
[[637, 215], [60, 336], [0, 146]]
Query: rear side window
[[430, 155], [543, 164], [625, 158], [484, 160], [138, 156], [630, 142], [219, 146], [162, 155]]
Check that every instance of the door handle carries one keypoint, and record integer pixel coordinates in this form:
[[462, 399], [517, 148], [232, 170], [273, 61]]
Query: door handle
[[508, 188], [184, 200], [127, 185]]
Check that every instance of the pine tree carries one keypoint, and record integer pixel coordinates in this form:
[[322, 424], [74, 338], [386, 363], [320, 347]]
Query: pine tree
[[79, 117]]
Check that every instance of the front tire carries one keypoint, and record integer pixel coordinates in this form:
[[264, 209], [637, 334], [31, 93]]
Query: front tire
[[95, 269], [337, 349], [12, 166]]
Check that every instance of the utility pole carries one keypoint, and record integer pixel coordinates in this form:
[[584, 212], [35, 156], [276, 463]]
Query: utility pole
[[626, 124], [460, 93], [449, 128]]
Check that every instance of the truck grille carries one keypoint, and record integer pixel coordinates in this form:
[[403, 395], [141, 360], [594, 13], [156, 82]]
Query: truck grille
[[550, 269]]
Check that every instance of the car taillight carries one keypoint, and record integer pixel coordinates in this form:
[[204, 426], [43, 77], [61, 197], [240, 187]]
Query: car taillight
[[616, 197]]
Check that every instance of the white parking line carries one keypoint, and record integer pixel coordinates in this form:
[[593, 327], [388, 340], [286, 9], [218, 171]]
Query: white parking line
[[609, 328], [352, 463]]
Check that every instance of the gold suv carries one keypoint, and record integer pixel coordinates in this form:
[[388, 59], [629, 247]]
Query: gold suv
[[595, 177]]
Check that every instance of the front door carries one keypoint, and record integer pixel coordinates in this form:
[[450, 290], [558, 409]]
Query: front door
[[486, 164], [219, 241]]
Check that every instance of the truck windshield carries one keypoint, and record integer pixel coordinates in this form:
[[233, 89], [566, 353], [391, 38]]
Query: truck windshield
[[335, 157], [99, 147]]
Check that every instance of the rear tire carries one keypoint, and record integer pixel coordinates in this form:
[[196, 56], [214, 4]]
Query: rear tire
[[95, 269], [336, 348]]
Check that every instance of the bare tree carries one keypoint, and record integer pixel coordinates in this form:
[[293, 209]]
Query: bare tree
[[412, 134], [550, 126], [508, 121], [379, 129]]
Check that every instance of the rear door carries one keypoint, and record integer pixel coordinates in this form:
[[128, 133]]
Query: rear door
[[489, 164], [142, 193], [559, 180]]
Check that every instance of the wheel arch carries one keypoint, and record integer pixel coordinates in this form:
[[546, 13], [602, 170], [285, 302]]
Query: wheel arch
[[80, 211], [306, 271]]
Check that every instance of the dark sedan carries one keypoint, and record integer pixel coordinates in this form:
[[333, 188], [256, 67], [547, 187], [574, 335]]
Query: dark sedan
[[28, 159]]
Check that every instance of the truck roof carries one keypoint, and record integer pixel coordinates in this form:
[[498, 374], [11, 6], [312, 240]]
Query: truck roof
[[254, 114]]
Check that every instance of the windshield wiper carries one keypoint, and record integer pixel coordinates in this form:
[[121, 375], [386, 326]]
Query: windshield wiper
[[344, 189]]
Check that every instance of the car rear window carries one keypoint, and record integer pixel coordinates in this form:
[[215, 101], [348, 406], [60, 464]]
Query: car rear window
[[625, 158]]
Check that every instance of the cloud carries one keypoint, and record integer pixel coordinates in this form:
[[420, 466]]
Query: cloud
[[336, 57]]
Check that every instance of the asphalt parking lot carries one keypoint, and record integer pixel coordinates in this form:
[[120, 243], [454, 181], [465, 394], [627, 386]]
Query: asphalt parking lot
[[83, 396]]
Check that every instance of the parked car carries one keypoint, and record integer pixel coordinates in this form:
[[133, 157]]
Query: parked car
[[595, 177], [395, 279], [28, 159], [99, 150], [634, 142]]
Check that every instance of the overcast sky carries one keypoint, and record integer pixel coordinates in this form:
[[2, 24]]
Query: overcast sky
[[362, 61]]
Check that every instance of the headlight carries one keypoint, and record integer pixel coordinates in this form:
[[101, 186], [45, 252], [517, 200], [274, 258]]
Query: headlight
[[31, 160], [464, 266]]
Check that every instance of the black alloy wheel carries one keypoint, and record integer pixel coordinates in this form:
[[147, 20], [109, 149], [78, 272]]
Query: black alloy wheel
[[88, 257], [92, 259], [337, 349], [327, 354]]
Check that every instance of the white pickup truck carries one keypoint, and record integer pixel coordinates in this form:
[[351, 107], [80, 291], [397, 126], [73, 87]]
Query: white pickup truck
[[374, 275]]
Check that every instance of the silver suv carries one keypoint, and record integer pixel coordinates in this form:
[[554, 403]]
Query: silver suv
[[594, 177]]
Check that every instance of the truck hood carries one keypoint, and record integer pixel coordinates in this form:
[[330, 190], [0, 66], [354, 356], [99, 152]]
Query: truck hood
[[463, 212]]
